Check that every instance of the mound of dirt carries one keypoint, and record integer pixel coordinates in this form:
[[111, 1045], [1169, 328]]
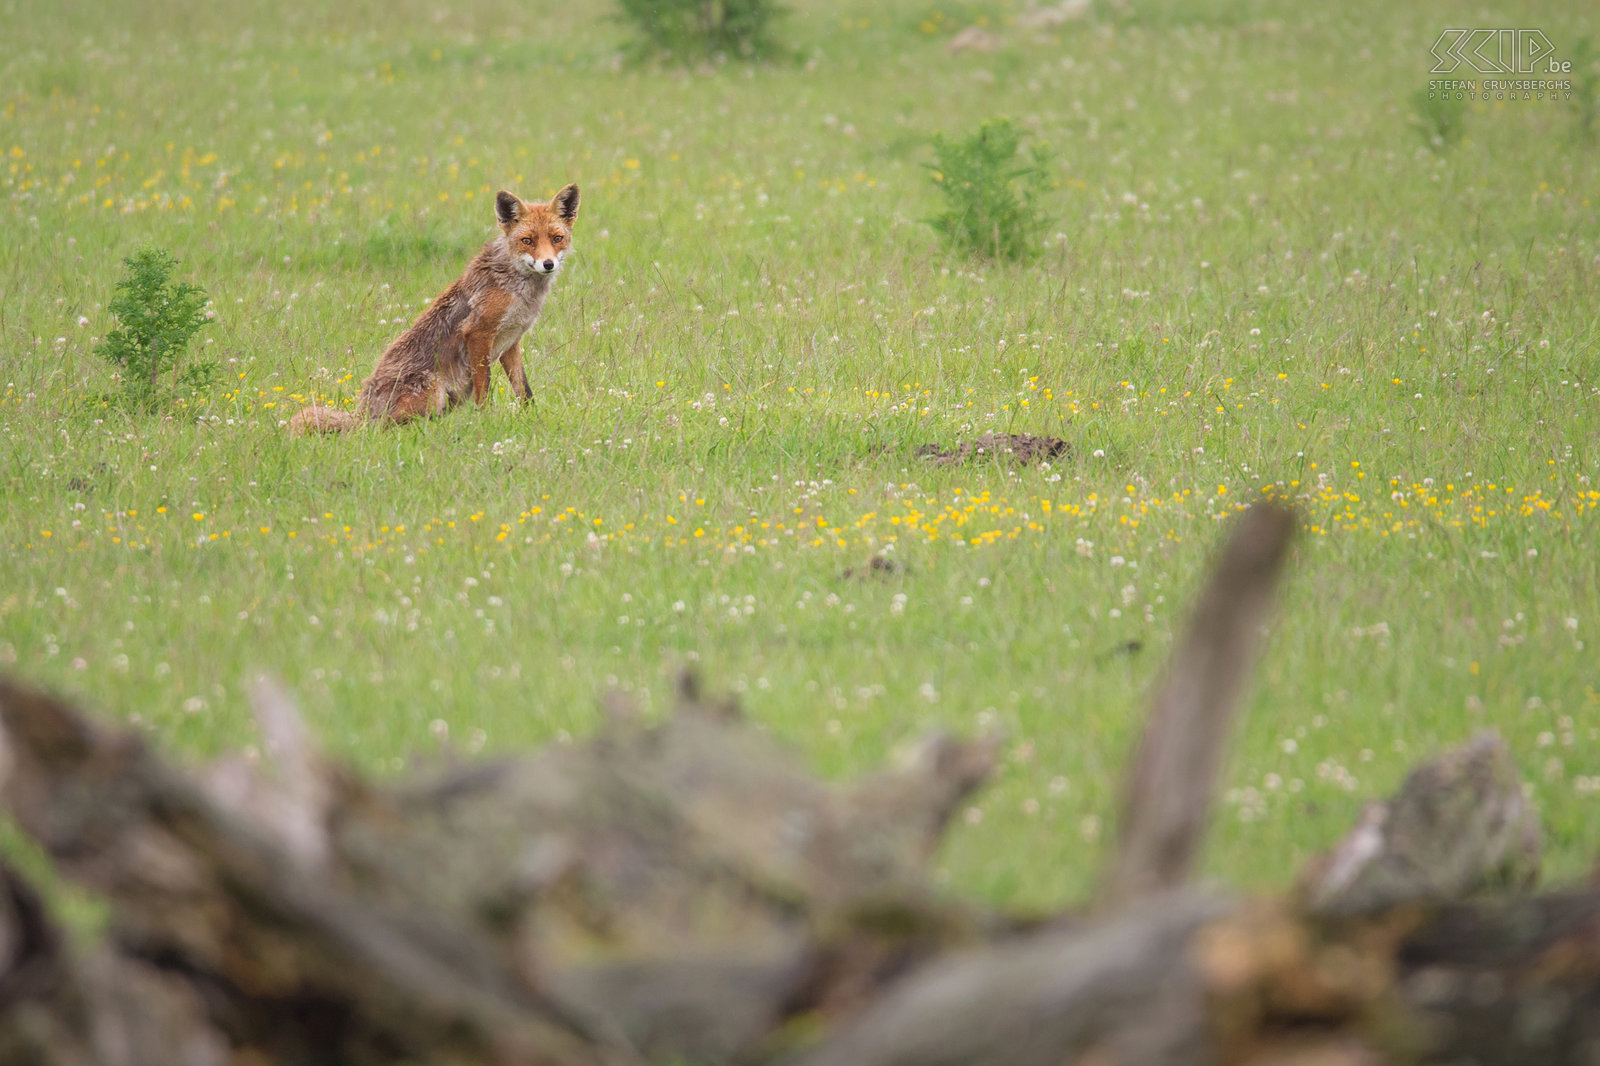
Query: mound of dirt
[[877, 566], [1021, 448]]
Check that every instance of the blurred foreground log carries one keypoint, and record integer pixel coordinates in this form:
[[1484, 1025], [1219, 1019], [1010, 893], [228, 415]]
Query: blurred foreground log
[[1174, 773], [1460, 825], [685, 892]]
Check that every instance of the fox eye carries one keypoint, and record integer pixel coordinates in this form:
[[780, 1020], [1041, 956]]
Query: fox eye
[[556, 238], [527, 240]]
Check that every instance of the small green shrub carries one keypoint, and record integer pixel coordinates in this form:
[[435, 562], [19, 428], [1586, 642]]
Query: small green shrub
[[1439, 118], [158, 318], [991, 191], [702, 29]]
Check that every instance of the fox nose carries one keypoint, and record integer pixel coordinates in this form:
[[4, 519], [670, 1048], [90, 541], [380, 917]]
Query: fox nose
[[549, 265]]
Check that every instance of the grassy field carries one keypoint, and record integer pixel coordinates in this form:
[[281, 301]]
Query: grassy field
[[1259, 275]]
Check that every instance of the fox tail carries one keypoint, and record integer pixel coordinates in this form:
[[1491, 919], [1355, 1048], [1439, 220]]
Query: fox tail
[[319, 419]]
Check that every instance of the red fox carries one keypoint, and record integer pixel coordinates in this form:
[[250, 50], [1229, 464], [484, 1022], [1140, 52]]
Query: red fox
[[481, 317]]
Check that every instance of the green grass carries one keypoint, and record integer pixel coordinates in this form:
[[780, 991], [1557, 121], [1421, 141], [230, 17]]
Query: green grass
[[1261, 277]]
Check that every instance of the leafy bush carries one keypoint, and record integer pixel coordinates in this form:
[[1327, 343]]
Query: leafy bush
[[1439, 118], [159, 317], [991, 192], [705, 28]]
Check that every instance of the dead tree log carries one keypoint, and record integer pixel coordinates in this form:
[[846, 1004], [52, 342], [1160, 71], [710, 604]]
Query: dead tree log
[[1117, 991], [1174, 773], [686, 892], [104, 1010], [1459, 825], [286, 958], [677, 890], [1410, 975]]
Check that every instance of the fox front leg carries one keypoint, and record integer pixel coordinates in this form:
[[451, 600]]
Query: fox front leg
[[511, 360], [479, 345]]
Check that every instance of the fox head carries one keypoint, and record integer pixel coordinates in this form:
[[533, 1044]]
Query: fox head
[[538, 235]]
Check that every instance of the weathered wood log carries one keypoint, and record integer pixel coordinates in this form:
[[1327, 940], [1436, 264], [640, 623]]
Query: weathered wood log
[[1507, 982], [685, 891], [675, 890], [1490, 983], [287, 960], [1173, 778], [666, 922], [42, 1011], [1118, 991], [1386, 974], [103, 1010], [1460, 824]]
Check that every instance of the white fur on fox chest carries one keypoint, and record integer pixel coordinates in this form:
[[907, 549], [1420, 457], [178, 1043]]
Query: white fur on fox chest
[[522, 313]]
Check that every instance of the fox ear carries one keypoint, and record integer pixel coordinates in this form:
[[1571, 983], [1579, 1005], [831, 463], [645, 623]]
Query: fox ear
[[565, 204], [507, 208]]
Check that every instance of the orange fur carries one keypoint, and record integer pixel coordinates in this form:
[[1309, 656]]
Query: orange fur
[[449, 351]]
